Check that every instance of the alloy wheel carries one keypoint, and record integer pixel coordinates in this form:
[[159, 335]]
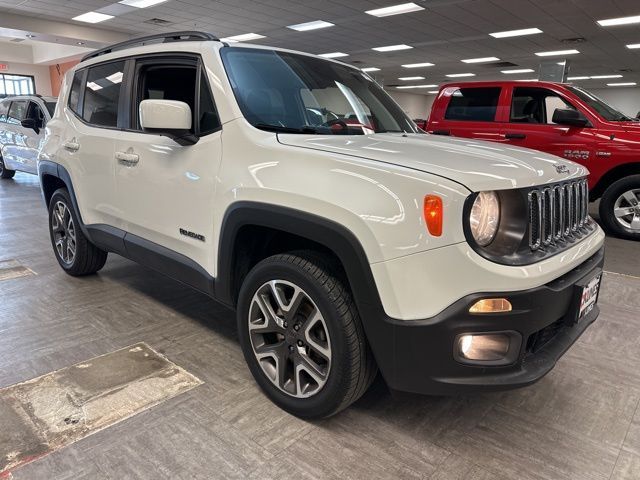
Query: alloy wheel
[[64, 232], [627, 210], [289, 338]]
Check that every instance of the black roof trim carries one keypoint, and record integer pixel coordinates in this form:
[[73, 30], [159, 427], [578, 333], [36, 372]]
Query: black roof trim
[[185, 36]]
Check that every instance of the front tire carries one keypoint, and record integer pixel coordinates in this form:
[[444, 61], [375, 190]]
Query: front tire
[[4, 172], [75, 253], [620, 208], [302, 337]]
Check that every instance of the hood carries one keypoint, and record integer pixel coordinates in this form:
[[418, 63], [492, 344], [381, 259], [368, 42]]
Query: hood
[[476, 164]]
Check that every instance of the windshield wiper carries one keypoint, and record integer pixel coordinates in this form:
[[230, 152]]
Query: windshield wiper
[[282, 129]]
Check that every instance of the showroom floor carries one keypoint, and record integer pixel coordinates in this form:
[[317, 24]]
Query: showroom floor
[[580, 422]]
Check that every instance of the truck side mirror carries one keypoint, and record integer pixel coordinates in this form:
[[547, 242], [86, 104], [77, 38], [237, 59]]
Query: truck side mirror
[[31, 124], [570, 117], [169, 118]]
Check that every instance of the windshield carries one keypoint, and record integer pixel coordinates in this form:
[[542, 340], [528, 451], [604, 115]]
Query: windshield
[[293, 93], [51, 107], [605, 111]]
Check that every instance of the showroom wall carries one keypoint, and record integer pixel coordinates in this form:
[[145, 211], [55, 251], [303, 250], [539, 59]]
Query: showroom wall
[[414, 105], [39, 72], [627, 100]]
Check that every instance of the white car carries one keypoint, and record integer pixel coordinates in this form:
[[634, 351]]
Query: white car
[[22, 122], [450, 265]]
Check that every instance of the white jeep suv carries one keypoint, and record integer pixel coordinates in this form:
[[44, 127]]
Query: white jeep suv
[[345, 245], [22, 122]]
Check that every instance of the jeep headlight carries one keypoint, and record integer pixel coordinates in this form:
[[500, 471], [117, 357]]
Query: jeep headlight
[[484, 218]]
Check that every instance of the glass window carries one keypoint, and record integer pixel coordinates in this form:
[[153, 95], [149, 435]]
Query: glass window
[[36, 113], [535, 105], [16, 85], [209, 119], [17, 112], [102, 94], [473, 104], [4, 109], [51, 107], [293, 93], [75, 93], [603, 109]]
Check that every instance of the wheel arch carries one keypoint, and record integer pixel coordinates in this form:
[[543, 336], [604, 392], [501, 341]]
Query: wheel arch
[[613, 175]]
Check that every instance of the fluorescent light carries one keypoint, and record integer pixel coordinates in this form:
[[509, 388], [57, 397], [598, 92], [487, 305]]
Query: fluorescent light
[[417, 86], [92, 17], [410, 78], [394, 10], [115, 78], [557, 52], [481, 60], [392, 48], [370, 69], [305, 27], [433, 92], [622, 84], [633, 46], [578, 78], [94, 86], [528, 80], [611, 22], [333, 55], [418, 65], [518, 70], [141, 3], [245, 37], [602, 77], [460, 75], [516, 33]]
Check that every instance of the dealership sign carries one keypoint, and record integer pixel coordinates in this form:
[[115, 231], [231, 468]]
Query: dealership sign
[[4, 67]]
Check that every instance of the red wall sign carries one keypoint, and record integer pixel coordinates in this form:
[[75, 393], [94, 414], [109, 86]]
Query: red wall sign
[[4, 67]]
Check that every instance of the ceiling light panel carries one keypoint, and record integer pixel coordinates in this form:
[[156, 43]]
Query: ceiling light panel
[[305, 27], [392, 48], [407, 79], [370, 69], [418, 65], [557, 52], [92, 17], [461, 75], [518, 70], [142, 3], [577, 78], [633, 46], [622, 84], [245, 37], [602, 77], [395, 10], [333, 55], [481, 60], [612, 22], [516, 33]]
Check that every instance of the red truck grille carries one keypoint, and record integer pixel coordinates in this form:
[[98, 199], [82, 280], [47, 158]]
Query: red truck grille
[[558, 213]]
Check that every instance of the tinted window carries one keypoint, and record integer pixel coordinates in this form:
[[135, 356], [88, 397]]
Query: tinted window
[[473, 104], [17, 112], [606, 111], [51, 107], [209, 120], [535, 105], [75, 94], [102, 94], [4, 109], [36, 113]]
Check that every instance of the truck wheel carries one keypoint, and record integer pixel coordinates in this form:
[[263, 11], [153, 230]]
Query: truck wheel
[[75, 253], [301, 335], [620, 208], [4, 172]]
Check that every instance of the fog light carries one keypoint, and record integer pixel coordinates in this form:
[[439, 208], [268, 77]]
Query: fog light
[[484, 347], [491, 305]]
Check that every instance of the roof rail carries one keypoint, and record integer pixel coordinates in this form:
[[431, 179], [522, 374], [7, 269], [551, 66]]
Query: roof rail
[[165, 37]]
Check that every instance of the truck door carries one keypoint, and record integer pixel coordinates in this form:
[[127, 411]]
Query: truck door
[[531, 125]]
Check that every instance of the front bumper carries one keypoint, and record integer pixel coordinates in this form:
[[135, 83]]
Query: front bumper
[[418, 356]]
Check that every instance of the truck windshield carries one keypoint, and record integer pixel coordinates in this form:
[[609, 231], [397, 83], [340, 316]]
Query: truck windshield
[[292, 93], [605, 111]]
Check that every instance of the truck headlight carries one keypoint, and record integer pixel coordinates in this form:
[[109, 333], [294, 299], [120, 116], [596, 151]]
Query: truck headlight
[[484, 218]]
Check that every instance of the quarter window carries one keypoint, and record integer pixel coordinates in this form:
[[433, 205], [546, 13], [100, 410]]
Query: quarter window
[[75, 94], [473, 104], [102, 94]]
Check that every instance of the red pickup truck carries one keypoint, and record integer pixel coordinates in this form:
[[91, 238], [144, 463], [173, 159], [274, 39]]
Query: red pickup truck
[[560, 119]]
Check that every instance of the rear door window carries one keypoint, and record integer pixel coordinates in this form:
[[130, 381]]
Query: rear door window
[[102, 94], [473, 104], [17, 112], [4, 109]]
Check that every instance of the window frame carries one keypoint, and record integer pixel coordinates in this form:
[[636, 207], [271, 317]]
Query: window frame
[[496, 115]]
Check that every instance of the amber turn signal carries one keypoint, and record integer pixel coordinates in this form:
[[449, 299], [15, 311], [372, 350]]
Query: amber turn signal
[[433, 214], [491, 305]]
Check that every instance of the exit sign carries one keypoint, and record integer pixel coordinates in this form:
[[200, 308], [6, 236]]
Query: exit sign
[[4, 67]]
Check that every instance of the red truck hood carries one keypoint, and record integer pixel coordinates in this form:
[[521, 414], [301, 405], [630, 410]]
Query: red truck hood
[[476, 164]]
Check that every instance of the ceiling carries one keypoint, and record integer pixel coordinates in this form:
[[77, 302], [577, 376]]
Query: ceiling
[[446, 32]]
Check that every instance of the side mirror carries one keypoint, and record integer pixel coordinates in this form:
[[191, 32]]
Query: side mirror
[[571, 118], [168, 117], [31, 124]]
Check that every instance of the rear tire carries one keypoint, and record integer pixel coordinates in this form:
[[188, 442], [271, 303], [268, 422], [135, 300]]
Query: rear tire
[[4, 172], [295, 312], [620, 208], [75, 253]]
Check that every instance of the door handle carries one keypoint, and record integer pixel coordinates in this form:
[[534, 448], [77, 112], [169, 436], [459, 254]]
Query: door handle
[[441, 132], [515, 136], [127, 158], [72, 146]]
